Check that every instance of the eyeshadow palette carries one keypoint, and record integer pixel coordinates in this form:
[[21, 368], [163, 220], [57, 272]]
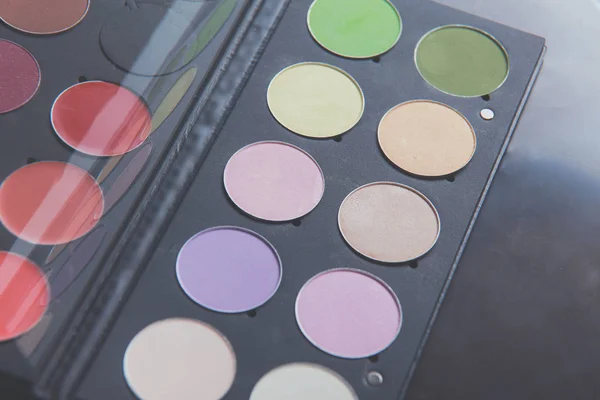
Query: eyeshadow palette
[[241, 199]]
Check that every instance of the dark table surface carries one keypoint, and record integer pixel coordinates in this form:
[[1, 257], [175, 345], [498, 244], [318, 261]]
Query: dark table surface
[[522, 317]]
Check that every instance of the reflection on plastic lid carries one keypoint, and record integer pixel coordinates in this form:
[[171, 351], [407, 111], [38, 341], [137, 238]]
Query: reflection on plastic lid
[[127, 178], [62, 276], [169, 37], [50, 202]]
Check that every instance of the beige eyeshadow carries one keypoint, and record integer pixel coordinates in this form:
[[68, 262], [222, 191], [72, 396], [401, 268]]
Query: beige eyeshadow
[[427, 138], [389, 222], [302, 381], [179, 359]]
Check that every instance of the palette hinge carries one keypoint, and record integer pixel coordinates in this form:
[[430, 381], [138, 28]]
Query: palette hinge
[[104, 298]]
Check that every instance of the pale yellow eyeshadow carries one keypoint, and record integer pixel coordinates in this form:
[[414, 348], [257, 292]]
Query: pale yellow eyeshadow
[[302, 381], [389, 222], [315, 100], [179, 359]]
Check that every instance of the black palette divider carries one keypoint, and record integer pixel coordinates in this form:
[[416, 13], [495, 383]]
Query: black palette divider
[[189, 197], [27, 136]]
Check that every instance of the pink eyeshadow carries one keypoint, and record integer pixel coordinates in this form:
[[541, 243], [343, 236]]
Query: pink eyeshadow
[[274, 181], [19, 76], [348, 313]]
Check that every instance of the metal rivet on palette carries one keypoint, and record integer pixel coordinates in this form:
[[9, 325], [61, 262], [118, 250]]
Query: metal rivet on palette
[[374, 378], [487, 114]]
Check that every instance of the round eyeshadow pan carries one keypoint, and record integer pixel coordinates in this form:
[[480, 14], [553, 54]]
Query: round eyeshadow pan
[[348, 313], [50, 202], [389, 222], [101, 118], [462, 61], [427, 138], [229, 269], [355, 28], [43, 17], [301, 381], [274, 181], [315, 100], [20, 76], [158, 39], [24, 295], [179, 359]]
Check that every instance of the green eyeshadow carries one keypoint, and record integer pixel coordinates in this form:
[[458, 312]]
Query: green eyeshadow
[[462, 61], [355, 28]]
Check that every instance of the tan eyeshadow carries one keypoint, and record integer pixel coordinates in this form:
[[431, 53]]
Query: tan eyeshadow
[[427, 138], [389, 222]]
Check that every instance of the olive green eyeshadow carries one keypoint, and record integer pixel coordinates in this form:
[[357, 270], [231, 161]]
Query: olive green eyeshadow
[[462, 61]]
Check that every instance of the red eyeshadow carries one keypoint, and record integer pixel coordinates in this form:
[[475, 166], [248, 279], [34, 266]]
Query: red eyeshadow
[[24, 295], [19, 76], [101, 118], [50, 203]]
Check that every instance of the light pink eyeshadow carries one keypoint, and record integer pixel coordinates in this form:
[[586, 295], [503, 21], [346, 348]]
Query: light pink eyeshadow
[[274, 181], [348, 313]]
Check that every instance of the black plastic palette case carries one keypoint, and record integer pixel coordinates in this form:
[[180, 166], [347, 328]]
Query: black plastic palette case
[[229, 199]]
